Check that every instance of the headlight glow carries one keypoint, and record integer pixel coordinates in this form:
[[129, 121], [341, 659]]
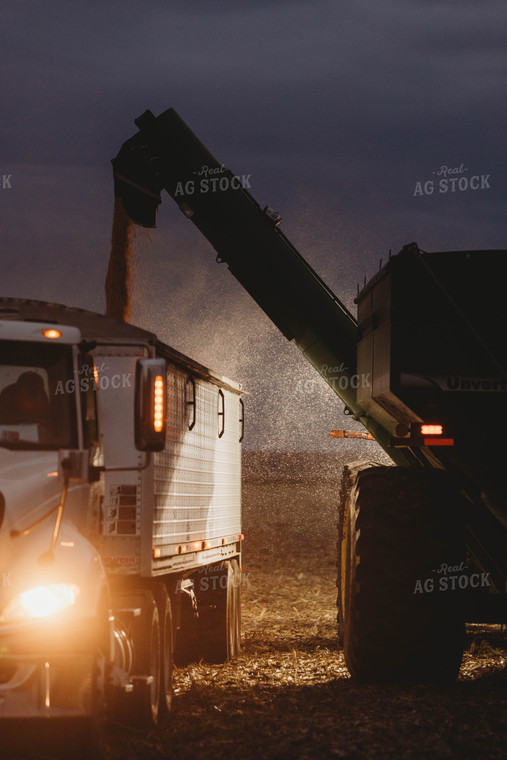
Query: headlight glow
[[40, 602]]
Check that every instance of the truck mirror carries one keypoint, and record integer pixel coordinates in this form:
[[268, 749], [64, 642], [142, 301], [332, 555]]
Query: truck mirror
[[150, 404], [74, 464]]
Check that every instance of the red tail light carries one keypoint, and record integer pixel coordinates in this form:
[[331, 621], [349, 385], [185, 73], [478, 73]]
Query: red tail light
[[431, 430]]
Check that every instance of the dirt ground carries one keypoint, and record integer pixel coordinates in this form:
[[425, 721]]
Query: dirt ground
[[289, 694]]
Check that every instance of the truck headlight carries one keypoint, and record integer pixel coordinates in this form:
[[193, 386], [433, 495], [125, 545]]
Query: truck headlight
[[40, 602]]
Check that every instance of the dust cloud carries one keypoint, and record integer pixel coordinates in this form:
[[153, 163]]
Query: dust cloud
[[197, 307]]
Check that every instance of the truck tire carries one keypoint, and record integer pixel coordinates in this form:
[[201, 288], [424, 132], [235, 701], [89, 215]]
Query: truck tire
[[187, 644], [236, 616], [219, 605], [398, 527], [166, 650], [146, 638]]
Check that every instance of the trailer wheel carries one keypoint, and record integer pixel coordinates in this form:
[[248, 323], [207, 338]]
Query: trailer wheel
[[166, 650], [187, 643], [399, 526], [219, 605], [235, 622], [146, 638]]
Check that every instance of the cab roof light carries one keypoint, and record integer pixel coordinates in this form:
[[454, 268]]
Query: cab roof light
[[51, 333]]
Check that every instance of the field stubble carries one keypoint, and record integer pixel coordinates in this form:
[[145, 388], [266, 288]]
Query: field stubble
[[289, 694]]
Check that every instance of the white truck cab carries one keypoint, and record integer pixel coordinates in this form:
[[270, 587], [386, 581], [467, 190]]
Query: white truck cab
[[120, 472]]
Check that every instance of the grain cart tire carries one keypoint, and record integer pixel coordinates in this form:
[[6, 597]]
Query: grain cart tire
[[219, 606], [146, 638], [166, 650], [349, 474], [400, 526]]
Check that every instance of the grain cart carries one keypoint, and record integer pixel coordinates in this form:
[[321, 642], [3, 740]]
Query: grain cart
[[422, 546], [120, 516]]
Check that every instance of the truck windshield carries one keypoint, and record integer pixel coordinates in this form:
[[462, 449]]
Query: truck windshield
[[37, 400]]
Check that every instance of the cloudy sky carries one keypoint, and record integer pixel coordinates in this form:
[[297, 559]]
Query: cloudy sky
[[341, 112]]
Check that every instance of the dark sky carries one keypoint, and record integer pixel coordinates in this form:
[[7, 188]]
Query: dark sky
[[337, 110]]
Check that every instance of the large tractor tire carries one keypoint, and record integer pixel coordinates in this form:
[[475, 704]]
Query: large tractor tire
[[398, 527], [219, 606]]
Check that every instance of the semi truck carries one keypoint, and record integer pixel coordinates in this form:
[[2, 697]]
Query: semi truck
[[120, 519], [422, 545]]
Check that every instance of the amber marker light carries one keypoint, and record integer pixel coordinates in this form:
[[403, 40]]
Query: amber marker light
[[158, 404], [351, 434], [52, 334]]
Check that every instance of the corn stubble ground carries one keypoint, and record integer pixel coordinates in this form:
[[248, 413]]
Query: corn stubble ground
[[289, 694]]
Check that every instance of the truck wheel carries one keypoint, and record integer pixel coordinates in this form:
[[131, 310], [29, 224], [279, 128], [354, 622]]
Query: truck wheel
[[219, 605], [146, 639], [398, 528], [187, 644], [166, 650], [236, 613]]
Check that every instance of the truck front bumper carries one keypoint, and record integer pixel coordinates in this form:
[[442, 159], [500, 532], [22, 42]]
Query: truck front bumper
[[47, 686], [49, 671]]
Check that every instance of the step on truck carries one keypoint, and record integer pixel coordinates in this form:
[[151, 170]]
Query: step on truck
[[422, 546], [120, 521]]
